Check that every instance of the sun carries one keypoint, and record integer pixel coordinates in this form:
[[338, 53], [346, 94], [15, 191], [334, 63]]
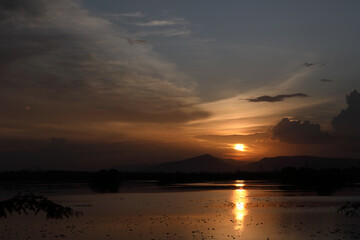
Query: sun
[[239, 147]]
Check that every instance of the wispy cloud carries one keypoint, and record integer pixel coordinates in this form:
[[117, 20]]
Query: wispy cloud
[[166, 33], [135, 41], [136, 14], [326, 80], [160, 23], [256, 137], [320, 63], [277, 98]]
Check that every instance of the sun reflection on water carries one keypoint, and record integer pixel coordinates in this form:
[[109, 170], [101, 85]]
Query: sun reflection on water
[[239, 199]]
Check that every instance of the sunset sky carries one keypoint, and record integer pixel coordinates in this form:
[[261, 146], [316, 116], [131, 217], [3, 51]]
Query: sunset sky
[[111, 82]]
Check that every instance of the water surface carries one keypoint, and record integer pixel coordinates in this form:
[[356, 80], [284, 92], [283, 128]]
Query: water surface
[[250, 210]]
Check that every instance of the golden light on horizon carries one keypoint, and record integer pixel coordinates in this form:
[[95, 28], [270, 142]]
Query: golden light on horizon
[[239, 147]]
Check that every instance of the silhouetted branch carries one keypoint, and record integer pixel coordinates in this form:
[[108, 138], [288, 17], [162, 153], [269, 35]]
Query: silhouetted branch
[[22, 203]]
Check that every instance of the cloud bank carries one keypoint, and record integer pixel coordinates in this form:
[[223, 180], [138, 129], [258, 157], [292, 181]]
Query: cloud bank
[[62, 64], [347, 122], [298, 132]]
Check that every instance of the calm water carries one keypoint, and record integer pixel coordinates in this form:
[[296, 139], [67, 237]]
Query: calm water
[[251, 210]]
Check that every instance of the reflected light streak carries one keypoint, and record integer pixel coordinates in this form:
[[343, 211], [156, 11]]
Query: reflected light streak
[[239, 199]]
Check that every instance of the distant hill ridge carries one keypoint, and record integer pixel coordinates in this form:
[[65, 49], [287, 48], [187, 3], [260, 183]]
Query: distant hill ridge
[[278, 163], [203, 163], [209, 163]]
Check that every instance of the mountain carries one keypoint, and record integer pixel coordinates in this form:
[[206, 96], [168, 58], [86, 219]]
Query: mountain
[[208, 163], [278, 163], [203, 163], [236, 164]]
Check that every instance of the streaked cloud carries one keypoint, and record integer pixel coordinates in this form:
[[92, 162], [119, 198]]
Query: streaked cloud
[[161, 23], [309, 64], [182, 32], [277, 98], [135, 41], [235, 138], [326, 80], [320, 63], [136, 14]]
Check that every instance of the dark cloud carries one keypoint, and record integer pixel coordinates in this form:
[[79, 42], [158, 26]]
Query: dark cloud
[[256, 137], [348, 121], [277, 98], [308, 64], [298, 132], [320, 63], [325, 80], [33, 7], [136, 41]]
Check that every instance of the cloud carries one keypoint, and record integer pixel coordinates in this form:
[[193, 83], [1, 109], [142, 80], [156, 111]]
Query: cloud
[[166, 33], [166, 28], [255, 137], [134, 42], [325, 80], [277, 98], [72, 66], [298, 132], [161, 23], [308, 64], [24, 6], [136, 14], [347, 122], [321, 63]]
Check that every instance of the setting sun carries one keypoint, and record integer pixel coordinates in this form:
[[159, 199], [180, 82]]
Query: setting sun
[[239, 147]]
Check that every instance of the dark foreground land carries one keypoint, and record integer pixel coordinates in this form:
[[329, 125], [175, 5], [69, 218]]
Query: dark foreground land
[[292, 203]]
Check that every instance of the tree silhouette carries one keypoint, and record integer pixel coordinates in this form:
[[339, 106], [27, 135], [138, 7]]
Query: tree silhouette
[[25, 203]]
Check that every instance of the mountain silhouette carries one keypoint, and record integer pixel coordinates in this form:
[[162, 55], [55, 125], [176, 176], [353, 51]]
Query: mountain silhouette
[[210, 164], [278, 163], [203, 163]]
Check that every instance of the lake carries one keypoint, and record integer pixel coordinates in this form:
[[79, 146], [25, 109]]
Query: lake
[[251, 210]]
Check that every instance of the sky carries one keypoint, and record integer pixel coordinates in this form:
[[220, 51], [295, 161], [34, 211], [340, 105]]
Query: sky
[[92, 84]]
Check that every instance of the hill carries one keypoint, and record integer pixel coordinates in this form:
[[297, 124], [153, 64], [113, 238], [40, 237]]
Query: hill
[[203, 163], [278, 163]]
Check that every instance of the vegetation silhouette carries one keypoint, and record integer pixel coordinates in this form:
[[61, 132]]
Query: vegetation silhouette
[[350, 209], [28, 202], [321, 181], [105, 181]]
